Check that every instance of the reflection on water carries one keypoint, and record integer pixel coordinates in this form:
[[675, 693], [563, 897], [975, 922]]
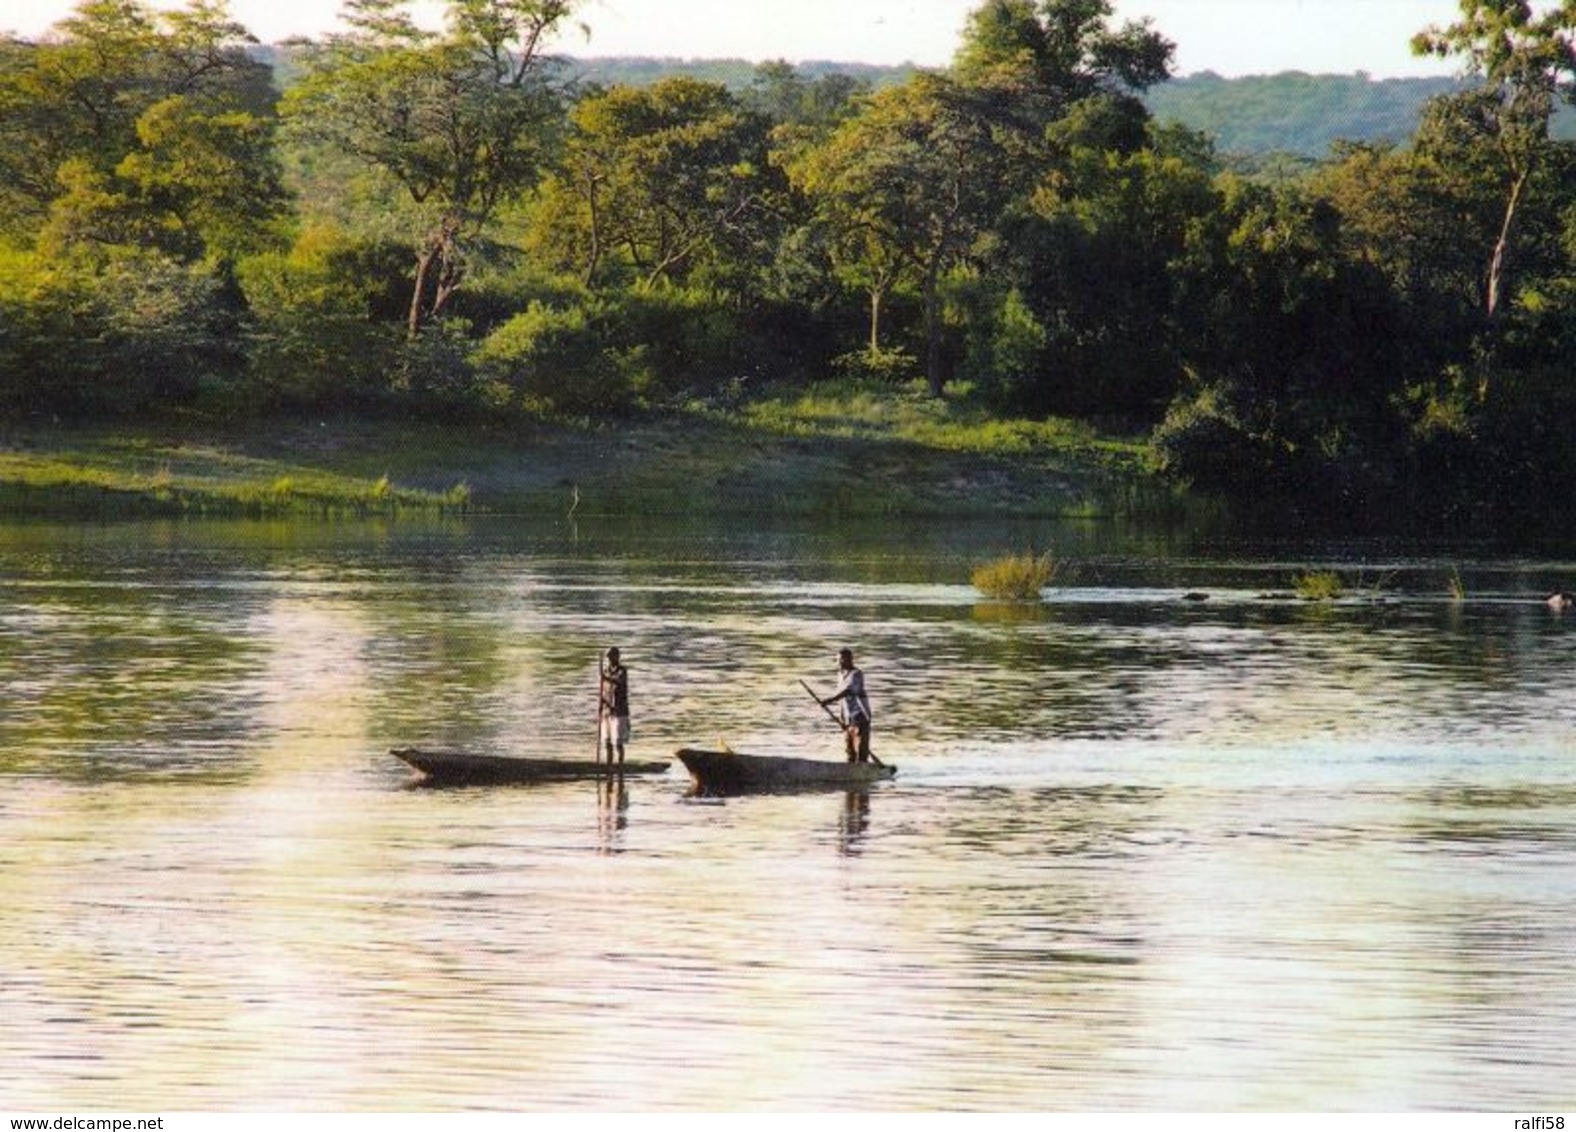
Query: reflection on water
[[1142, 852]]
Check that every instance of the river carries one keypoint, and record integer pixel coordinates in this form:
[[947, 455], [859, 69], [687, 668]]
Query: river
[[1170, 839]]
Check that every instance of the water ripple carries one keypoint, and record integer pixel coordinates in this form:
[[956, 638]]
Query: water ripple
[[1141, 853]]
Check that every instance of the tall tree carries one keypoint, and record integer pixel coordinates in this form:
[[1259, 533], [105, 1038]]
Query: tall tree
[[1296, 366], [81, 98], [200, 186], [907, 185], [461, 120], [1526, 59], [1064, 50], [1098, 257], [672, 177], [1083, 247]]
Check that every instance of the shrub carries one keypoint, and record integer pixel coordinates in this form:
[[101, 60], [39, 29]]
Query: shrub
[[1203, 441], [1006, 351], [326, 325], [1318, 585], [434, 369], [1015, 577], [558, 361], [689, 340], [890, 367], [120, 335]]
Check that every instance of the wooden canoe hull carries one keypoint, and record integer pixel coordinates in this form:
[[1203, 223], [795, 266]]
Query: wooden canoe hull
[[722, 772], [461, 769]]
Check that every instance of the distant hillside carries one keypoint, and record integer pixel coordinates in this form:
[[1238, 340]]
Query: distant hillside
[[1293, 112], [1254, 116], [1290, 112], [734, 73]]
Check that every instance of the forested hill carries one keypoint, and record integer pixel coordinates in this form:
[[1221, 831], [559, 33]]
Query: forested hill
[[1290, 112], [1287, 113], [733, 73], [1294, 112]]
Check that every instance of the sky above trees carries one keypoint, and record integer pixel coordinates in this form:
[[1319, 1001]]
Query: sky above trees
[[1230, 37]]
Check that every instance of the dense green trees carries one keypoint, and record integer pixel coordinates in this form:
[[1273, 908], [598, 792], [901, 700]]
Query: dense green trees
[[1103, 256], [1527, 61], [461, 121], [1292, 354], [905, 188], [913, 185], [123, 81], [446, 223], [137, 166], [661, 184], [1072, 295]]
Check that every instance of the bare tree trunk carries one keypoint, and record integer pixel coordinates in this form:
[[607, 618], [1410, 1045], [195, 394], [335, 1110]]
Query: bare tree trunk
[[439, 273], [449, 277], [935, 367], [413, 321], [1498, 262], [877, 294], [594, 257]]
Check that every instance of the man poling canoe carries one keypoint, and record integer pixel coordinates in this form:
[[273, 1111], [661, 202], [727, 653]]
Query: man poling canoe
[[855, 718], [613, 708]]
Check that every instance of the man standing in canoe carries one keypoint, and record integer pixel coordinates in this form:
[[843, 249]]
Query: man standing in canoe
[[613, 712], [856, 707]]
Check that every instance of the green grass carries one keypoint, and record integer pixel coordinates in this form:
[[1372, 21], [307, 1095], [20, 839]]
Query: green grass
[[954, 423], [1015, 577], [837, 451], [109, 475]]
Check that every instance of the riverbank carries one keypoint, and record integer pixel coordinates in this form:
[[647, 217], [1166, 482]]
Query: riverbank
[[836, 452]]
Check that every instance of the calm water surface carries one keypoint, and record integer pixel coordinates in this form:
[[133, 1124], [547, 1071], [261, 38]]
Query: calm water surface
[[1142, 853]]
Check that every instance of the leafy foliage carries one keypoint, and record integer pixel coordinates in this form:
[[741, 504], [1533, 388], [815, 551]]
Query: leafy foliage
[[1015, 577], [448, 225], [134, 332], [1318, 585], [461, 121], [660, 184], [1527, 60]]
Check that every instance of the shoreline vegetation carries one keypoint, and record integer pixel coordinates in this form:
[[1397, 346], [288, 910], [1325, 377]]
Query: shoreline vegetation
[[1002, 288], [833, 450], [1016, 577]]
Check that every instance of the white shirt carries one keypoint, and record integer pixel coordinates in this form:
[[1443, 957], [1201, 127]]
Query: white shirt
[[851, 691]]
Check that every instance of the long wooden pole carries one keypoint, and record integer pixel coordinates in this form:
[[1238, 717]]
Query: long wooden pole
[[830, 714], [601, 707]]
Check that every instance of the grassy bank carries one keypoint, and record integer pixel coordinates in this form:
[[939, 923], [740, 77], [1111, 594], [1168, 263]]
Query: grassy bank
[[169, 470], [842, 450]]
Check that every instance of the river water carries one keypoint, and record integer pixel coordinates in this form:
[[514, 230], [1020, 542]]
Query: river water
[[1143, 852]]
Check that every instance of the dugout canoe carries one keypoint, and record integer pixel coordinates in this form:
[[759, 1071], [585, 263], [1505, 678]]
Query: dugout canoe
[[461, 769], [724, 772]]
